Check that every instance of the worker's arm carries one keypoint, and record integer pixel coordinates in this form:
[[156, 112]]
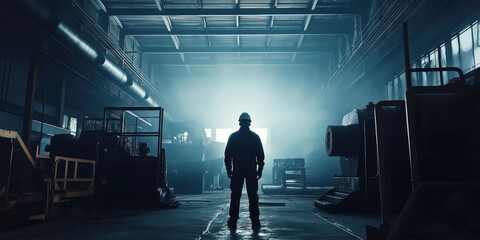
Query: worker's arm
[[228, 157], [260, 158]]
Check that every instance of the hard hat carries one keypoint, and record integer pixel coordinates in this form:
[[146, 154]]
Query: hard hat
[[244, 117]]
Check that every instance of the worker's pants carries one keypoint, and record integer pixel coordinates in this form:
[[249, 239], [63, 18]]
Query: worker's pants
[[236, 185]]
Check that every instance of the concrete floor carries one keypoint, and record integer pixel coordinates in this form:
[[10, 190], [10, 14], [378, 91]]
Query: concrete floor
[[204, 217]]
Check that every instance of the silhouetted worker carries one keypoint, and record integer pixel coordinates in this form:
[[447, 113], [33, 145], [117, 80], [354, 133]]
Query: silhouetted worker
[[244, 149]]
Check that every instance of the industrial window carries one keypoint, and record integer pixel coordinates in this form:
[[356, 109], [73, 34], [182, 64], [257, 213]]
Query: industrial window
[[466, 48], [397, 87], [415, 79], [208, 132], [402, 82], [434, 76], [70, 123], [390, 90], [425, 62], [443, 52], [222, 134], [476, 43], [73, 125], [65, 121], [262, 133], [465, 54], [431, 60], [455, 51]]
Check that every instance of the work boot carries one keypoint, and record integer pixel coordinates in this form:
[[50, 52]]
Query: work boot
[[256, 224], [232, 224]]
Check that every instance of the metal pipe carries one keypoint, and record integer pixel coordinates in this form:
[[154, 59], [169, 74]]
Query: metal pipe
[[74, 41], [113, 71], [138, 90], [106, 66], [70, 38], [151, 102]]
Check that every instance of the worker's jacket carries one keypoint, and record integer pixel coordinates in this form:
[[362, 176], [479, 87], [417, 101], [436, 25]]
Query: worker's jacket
[[245, 150]]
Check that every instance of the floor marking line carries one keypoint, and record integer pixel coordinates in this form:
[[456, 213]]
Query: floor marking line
[[339, 226], [211, 221]]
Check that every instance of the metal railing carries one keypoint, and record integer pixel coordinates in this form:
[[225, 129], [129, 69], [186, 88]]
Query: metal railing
[[61, 180]]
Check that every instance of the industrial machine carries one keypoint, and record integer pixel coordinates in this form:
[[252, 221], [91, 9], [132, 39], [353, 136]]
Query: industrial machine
[[185, 146], [32, 186], [289, 173], [445, 162], [393, 162], [288, 177], [130, 161], [426, 179], [354, 142], [428, 159]]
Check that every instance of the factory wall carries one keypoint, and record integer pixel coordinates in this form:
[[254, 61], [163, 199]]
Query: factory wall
[[66, 91], [13, 72], [112, 26], [59, 104], [434, 25]]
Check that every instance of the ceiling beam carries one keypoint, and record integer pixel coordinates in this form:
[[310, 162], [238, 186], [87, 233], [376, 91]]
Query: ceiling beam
[[254, 63], [182, 56], [269, 39], [205, 27], [275, 3], [204, 22], [159, 5], [168, 24], [300, 40], [299, 43], [205, 50], [308, 18], [324, 9], [188, 70], [314, 4], [331, 30]]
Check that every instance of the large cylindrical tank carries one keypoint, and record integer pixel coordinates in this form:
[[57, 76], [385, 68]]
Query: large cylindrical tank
[[347, 141]]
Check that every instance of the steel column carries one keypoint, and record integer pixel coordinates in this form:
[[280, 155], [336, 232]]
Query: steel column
[[29, 100]]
